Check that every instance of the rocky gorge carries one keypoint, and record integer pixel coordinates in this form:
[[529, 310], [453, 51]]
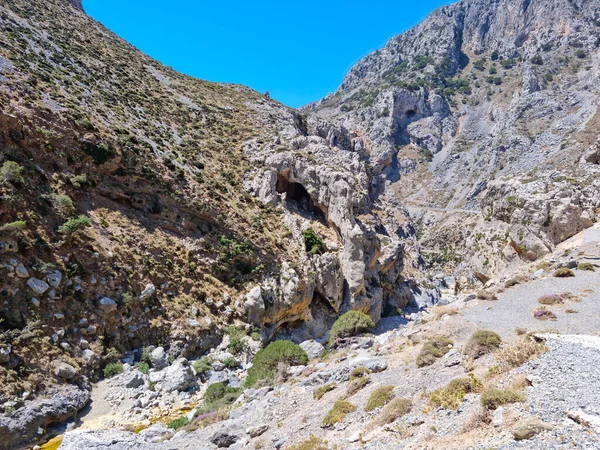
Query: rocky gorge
[[159, 233]]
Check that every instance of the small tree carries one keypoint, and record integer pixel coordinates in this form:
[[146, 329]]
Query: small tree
[[11, 172], [350, 324]]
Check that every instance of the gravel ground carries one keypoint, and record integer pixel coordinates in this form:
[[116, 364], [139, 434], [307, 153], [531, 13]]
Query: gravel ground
[[514, 307]]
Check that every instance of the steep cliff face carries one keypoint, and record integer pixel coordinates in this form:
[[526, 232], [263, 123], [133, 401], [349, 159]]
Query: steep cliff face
[[480, 93]]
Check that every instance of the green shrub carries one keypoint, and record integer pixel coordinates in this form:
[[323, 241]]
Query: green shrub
[[493, 398], [340, 408], [71, 226], [359, 372], [202, 366], [350, 324], [481, 343], [11, 172], [452, 395], [100, 153], [112, 369], [537, 59], [393, 410], [143, 367], [312, 242], [218, 395], [14, 227], [586, 266], [322, 390], [266, 361], [237, 344], [380, 397], [146, 356], [178, 423], [356, 385], [230, 363], [580, 54], [434, 348], [563, 272], [63, 205], [78, 180], [312, 443]]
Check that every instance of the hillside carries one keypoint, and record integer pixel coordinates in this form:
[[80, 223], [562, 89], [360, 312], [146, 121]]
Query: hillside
[[157, 231]]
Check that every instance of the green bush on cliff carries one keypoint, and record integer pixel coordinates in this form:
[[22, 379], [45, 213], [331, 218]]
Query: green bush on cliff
[[350, 324], [266, 361]]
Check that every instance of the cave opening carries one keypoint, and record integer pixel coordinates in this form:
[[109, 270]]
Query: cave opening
[[298, 199]]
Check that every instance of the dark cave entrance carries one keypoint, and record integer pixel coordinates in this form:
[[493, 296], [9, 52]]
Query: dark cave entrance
[[298, 199]]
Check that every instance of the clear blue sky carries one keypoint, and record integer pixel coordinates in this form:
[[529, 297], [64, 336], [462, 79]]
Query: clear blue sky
[[297, 50]]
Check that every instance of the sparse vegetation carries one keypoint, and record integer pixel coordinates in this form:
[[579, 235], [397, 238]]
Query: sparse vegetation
[[178, 423], [340, 409], [493, 398], [452, 395], [395, 409], [11, 172], [380, 397], [563, 272], [322, 390], [586, 266], [112, 369], [515, 355], [266, 361], [218, 395], [312, 443], [481, 343], [312, 242], [434, 348], [73, 225], [350, 324], [202, 366]]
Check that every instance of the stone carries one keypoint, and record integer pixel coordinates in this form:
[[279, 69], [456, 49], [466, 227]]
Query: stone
[[373, 364], [38, 286], [498, 417], [312, 348], [107, 305], [88, 355], [21, 271], [177, 377], [5, 354], [35, 302], [529, 427], [54, 278], [147, 292], [257, 430], [224, 439], [159, 358], [64, 371]]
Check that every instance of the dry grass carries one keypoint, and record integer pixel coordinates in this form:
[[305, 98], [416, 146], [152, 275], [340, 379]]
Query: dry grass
[[493, 398], [486, 294], [452, 395], [434, 348], [312, 443], [518, 353], [440, 311], [478, 419], [395, 409], [322, 390], [340, 408], [563, 272]]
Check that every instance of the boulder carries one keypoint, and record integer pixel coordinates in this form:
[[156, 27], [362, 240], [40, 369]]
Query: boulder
[[21, 271], [147, 292], [159, 358], [529, 427], [177, 377], [5, 354], [373, 364], [312, 348], [64, 371], [257, 430], [224, 439]]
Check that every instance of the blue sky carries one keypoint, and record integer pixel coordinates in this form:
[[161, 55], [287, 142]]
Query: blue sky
[[298, 51]]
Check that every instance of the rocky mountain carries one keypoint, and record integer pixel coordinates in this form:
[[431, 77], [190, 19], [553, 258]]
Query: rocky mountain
[[149, 217]]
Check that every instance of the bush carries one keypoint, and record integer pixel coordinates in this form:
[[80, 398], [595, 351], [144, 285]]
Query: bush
[[143, 367], [71, 226], [218, 395], [266, 361], [350, 324], [380, 397], [452, 395], [202, 366], [393, 410], [551, 299], [481, 343], [11, 172], [63, 205], [544, 314], [312, 443], [338, 412], [178, 423], [78, 180], [230, 363], [434, 348], [321, 391], [537, 59], [356, 385], [586, 266], [312, 242], [580, 54], [14, 227], [493, 398], [563, 272], [112, 369], [517, 354], [237, 344]]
